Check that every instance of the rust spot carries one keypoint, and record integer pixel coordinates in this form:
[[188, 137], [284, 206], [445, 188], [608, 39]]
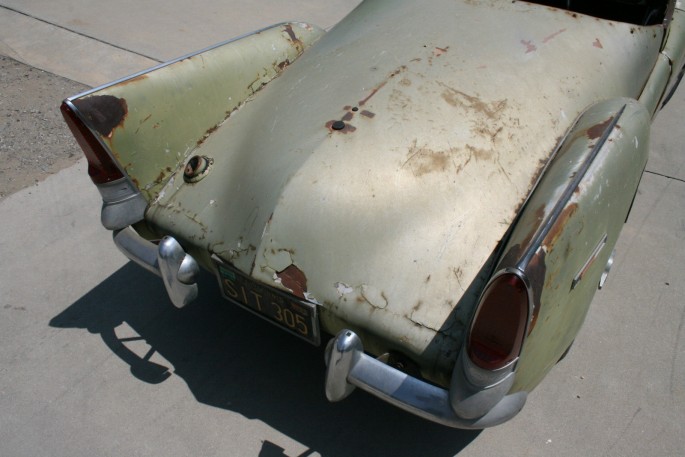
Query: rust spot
[[375, 90], [422, 160], [284, 64], [104, 112], [293, 38], [437, 52], [294, 279], [597, 44], [348, 116], [479, 154], [553, 36], [368, 114], [530, 46], [134, 80], [559, 225], [207, 133], [597, 131], [542, 163], [332, 126], [398, 71], [457, 98]]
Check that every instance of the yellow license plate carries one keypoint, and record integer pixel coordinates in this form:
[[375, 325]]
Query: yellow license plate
[[295, 316]]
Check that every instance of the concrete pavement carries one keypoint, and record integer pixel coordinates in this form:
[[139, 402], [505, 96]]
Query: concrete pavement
[[95, 361]]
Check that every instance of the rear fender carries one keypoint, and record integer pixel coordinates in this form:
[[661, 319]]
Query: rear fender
[[152, 121], [567, 230]]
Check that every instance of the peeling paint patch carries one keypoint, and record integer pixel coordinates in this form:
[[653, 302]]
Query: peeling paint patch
[[288, 28], [283, 64], [597, 44], [294, 279], [310, 298], [343, 289]]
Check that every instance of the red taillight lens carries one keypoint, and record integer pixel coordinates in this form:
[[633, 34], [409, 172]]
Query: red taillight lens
[[101, 167], [498, 327]]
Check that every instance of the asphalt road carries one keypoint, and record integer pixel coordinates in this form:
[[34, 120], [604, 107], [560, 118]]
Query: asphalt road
[[29, 122], [95, 361]]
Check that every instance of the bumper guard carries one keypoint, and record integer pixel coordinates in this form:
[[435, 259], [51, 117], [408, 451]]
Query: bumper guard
[[167, 259]]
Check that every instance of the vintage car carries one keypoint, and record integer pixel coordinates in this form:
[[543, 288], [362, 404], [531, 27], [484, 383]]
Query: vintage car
[[440, 186]]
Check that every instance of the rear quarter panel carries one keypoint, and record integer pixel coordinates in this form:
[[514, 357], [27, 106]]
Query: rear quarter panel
[[564, 250], [152, 121]]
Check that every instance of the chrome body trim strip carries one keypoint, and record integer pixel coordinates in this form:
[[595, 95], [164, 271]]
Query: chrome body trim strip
[[178, 59], [547, 225], [588, 263], [348, 367]]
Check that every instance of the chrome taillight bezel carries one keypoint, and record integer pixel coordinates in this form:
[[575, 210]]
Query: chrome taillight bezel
[[523, 328]]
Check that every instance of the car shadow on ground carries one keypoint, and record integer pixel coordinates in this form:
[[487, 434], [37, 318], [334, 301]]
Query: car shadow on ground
[[233, 360]]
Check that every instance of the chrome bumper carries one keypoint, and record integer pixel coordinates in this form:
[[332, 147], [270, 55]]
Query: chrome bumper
[[348, 367], [167, 259], [466, 405]]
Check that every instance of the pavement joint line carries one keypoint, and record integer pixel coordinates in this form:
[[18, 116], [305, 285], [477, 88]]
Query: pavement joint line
[[14, 10], [665, 176]]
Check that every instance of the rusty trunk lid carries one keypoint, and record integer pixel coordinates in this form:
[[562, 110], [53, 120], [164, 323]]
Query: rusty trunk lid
[[377, 175]]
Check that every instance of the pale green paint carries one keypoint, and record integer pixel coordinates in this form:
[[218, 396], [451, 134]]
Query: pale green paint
[[174, 107], [597, 208], [392, 222]]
